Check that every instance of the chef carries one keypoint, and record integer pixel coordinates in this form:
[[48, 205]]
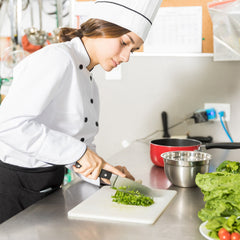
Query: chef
[[50, 116]]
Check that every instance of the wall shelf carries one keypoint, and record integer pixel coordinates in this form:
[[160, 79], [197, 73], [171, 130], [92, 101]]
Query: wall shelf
[[148, 54]]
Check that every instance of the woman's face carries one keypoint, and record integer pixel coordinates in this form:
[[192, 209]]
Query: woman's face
[[110, 52]]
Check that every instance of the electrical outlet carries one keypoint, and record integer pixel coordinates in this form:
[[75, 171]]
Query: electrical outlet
[[225, 107]]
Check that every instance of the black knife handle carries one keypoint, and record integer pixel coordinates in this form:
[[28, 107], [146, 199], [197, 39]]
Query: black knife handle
[[103, 174], [78, 165]]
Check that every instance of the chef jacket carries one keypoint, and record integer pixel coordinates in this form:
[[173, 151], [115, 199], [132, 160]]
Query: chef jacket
[[51, 112]]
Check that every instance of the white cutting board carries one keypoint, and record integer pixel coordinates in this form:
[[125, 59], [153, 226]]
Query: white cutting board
[[99, 206]]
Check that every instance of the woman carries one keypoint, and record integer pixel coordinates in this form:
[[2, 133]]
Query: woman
[[49, 118]]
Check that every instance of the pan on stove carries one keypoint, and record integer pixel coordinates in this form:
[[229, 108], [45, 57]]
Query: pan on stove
[[159, 146]]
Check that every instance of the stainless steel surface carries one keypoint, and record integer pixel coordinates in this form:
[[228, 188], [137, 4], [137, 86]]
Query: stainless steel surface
[[181, 167], [48, 219]]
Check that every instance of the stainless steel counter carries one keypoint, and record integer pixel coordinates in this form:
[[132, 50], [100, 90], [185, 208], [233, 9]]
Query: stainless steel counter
[[47, 219]]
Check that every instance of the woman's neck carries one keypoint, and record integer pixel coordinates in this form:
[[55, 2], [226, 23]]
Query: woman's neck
[[88, 43]]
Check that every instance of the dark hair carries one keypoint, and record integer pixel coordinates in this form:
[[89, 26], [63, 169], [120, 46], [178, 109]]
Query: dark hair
[[93, 28]]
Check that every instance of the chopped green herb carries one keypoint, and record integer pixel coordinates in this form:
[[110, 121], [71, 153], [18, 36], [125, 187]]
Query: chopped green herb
[[123, 196]]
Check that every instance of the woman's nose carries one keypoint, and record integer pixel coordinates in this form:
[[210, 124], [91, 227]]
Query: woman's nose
[[125, 55]]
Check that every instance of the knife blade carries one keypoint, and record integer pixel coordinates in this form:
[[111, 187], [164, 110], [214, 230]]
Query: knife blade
[[117, 182]]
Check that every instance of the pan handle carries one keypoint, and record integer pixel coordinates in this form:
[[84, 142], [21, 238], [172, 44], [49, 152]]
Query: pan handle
[[223, 145], [165, 125]]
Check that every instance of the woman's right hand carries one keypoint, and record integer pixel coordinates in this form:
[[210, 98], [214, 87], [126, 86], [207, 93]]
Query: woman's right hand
[[92, 164]]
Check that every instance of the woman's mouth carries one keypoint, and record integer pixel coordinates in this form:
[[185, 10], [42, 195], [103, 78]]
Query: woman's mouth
[[114, 63]]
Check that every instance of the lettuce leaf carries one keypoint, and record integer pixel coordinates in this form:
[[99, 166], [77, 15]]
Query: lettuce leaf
[[221, 193], [231, 224], [229, 166]]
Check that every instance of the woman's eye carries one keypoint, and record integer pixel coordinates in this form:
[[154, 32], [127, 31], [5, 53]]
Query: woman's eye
[[123, 43]]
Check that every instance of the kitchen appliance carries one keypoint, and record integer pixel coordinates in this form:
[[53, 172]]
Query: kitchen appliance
[[100, 207], [159, 146], [181, 167]]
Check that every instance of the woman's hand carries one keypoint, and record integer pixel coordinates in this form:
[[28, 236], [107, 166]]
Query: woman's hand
[[92, 164], [123, 170], [126, 172]]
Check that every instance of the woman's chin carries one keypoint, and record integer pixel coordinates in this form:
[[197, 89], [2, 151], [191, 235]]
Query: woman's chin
[[108, 68]]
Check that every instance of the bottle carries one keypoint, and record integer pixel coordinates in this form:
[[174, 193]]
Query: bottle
[[5, 84]]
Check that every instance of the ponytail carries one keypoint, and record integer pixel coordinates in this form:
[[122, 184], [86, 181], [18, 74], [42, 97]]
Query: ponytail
[[93, 28], [67, 34]]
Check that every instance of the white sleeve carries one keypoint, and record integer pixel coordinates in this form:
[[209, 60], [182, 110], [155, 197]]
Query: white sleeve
[[92, 145], [37, 80], [96, 182]]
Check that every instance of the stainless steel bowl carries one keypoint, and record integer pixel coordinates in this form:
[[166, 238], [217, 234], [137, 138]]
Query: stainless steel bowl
[[181, 167]]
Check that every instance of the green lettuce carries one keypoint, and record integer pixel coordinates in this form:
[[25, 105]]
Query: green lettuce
[[221, 194], [231, 224], [229, 166]]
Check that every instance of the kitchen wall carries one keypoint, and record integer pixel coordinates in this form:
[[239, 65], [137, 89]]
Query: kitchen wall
[[131, 107]]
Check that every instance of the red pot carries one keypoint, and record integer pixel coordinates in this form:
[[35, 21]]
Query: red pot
[[159, 146]]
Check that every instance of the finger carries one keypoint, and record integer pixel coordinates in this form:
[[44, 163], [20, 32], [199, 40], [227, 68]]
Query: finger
[[95, 173], [120, 168], [79, 170], [87, 173], [128, 174], [76, 169], [114, 170], [105, 181]]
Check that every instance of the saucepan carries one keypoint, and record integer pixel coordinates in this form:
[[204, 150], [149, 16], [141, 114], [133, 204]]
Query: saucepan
[[159, 146]]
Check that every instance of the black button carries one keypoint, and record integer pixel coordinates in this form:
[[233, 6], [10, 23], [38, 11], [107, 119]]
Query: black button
[[81, 66], [82, 139], [91, 100], [97, 124], [91, 78], [85, 119]]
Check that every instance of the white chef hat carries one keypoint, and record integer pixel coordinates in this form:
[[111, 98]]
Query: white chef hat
[[135, 15]]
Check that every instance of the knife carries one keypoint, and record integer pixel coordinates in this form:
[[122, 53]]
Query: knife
[[117, 182]]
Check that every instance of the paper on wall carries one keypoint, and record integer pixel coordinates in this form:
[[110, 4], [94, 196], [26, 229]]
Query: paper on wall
[[176, 30]]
